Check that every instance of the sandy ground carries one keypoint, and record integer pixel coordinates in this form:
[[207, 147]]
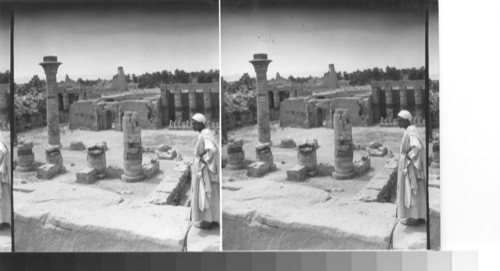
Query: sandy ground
[[287, 158], [182, 141]]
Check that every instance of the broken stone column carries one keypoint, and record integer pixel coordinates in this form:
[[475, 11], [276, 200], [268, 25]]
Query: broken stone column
[[307, 154], [419, 109], [403, 97], [50, 66], [376, 103], [344, 148], [389, 106], [96, 158], [132, 148], [192, 102], [25, 156], [178, 105], [235, 154], [276, 99], [260, 64], [293, 93], [207, 103]]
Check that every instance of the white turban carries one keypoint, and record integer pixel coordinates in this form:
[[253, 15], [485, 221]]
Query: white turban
[[199, 118], [405, 115]]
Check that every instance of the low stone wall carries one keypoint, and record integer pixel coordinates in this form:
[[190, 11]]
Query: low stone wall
[[46, 221], [310, 221], [148, 112]]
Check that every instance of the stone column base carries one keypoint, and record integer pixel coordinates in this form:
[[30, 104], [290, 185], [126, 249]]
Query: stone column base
[[343, 176], [132, 179], [234, 166]]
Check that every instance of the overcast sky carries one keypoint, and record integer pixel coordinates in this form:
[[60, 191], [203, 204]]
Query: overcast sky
[[92, 42], [303, 41]]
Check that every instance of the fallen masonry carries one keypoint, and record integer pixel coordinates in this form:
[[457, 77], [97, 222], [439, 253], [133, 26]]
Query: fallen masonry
[[25, 156]]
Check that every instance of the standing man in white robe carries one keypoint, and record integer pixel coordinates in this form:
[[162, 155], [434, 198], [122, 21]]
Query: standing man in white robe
[[6, 184], [412, 184], [205, 190]]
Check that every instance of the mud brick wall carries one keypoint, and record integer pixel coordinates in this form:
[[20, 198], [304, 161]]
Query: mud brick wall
[[148, 112], [83, 115], [293, 112], [359, 109]]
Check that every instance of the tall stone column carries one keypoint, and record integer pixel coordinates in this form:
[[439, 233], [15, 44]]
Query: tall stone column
[[178, 105], [50, 66], [207, 103], [132, 148], [376, 103], [276, 99], [192, 102], [389, 105], [419, 109], [403, 97], [344, 148], [260, 64]]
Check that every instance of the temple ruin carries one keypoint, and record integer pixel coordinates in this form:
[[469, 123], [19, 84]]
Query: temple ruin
[[312, 105]]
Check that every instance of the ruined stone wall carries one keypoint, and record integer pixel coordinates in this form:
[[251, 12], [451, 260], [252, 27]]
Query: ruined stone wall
[[296, 112], [92, 115], [148, 112], [83, 115], [358, 107]]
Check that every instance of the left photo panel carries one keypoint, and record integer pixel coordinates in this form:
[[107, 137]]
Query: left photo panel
[[117, 121], [5, 133]]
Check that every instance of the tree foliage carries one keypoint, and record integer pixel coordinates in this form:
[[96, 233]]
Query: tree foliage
[[4, 77]]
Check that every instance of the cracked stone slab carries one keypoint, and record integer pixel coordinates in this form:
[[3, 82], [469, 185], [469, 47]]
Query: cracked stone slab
[[406, 237], [58, 217], [203, 240], [5, 240], [268, 215]]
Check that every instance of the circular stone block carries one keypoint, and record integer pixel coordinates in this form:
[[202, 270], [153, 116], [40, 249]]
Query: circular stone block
[[340, 176], [132, 179]]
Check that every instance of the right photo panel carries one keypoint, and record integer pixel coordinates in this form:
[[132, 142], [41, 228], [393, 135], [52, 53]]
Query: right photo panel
[[325, 109]]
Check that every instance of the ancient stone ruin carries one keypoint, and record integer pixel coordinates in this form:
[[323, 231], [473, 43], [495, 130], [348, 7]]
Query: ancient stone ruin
[[96, 158], [50, 65], [344, 148], [53, 155], [235, 154], [263, 151], [25, 156], [307, 161], [132, 148]]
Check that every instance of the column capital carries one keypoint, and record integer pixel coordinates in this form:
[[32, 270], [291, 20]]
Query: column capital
[[50, 65], [260, 62]]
